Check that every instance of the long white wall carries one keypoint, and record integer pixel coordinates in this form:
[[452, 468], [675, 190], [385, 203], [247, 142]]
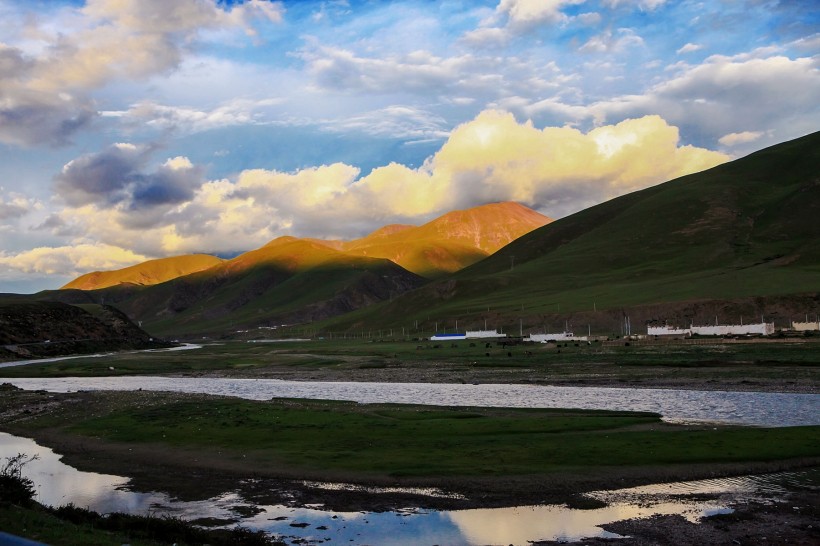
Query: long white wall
[[667, 331], [478, 334], [762, 328], [805, 326], [562, 336]]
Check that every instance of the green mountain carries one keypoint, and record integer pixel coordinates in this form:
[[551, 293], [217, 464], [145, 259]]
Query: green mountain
[[146, 273], [35, 329], [295, 281], [746, 232], [287, 281], [444, 245]]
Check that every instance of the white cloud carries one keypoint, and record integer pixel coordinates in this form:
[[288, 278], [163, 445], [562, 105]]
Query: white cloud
[[525, 13], [733, 139], [649, 5], [14, 206], [720, 96], [558, 170], [342, 69], [609, 42], [46, 91], [231, 113], [689, 48], [395, 121], [515, 17], [70, 260]]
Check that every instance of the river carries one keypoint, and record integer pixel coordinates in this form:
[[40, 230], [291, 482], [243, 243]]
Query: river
[[743, 408]]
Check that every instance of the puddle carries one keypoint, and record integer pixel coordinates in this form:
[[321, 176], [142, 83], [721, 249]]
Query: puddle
[[57, 484]]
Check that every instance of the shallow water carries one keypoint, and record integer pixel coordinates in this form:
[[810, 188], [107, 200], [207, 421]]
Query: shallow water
[[746, 408], [57, 484], [14, 363]]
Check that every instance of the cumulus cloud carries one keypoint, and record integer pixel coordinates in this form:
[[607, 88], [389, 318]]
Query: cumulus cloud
[[515, 17], [45, 93], [708, 100], [558, 170], [609, 41], [733, 139], [526, 13], [15, 207], [116, 177], [689, 48], [70, 260]]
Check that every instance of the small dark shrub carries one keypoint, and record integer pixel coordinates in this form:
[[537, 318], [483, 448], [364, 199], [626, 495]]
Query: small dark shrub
[[15, 488]]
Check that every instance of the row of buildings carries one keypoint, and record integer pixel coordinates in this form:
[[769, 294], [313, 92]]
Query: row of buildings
[[754, 329]]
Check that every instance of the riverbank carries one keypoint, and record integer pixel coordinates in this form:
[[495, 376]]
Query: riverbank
[[197, 445], [790, 518], [760, 367]]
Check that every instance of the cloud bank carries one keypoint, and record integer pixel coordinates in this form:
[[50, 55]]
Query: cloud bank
[[45, 92], [117, 197]]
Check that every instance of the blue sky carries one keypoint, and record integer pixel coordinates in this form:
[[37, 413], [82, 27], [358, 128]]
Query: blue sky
[[136, 129]]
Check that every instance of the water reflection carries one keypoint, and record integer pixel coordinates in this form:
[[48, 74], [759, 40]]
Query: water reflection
[[13, 363], [748, 408], [58, 484]]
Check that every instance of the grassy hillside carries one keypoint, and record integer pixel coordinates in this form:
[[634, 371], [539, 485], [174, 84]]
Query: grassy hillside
[[292, 280], [743, 230], [452, 241], [30, 329], [287, 281], [147, 273]]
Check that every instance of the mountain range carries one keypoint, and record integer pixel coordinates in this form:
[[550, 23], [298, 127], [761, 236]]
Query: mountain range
[[742, 237], [738, 239], [293, 280]]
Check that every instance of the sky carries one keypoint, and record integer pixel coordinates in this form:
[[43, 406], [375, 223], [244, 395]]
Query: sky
[[138, 129]]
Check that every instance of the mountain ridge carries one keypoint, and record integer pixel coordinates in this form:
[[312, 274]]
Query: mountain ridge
[[438, 247], [745, 230]]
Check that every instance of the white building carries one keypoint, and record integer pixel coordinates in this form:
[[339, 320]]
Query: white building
[[761, 329], [562, 336], [667, 331], [448, 337], [482, 334], [806, 326]]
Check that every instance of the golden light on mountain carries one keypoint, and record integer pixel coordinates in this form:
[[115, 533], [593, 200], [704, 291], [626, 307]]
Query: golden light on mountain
[[146, 273], [448, 243]]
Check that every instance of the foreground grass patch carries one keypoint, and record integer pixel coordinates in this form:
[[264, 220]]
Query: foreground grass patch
[[424, 441]]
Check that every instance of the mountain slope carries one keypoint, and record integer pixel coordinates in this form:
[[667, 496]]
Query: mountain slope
[[287, 281], [452, 241], [30, 329], [746, 228], [444, 245], [146, 273]]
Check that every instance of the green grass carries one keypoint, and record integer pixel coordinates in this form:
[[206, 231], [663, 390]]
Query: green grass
[[36, 523], [745, 229], [72, 526], [771, 363], [392, 440]]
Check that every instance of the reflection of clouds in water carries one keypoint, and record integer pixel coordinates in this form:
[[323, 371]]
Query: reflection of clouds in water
[[57, 484], [406, 528], [522, 524]]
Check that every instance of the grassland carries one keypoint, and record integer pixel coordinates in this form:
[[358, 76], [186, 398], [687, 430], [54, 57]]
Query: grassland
[[514, 454], [787, 366]]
